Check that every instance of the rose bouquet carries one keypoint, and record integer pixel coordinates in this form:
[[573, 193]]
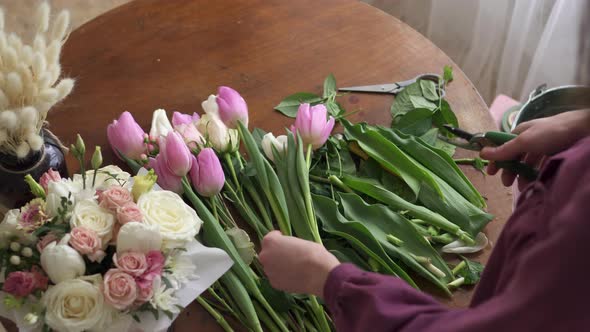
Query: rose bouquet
[[384, 198], [102, 251]]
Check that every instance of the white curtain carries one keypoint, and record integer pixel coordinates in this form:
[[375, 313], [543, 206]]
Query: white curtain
[[504, 46]]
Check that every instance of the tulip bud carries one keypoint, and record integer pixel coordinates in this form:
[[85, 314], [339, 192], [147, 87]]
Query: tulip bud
[[143, 183], [218, 135], [62, 262], [31, 318], [179, 119], [232, 107], [206, 174], [166, 179], [177, 155], [312, 124], [96, 161], [14, 260], [126, 137], [269, 140], [34, 186]]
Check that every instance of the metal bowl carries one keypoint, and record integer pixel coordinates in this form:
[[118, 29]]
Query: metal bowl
[[547, 102]]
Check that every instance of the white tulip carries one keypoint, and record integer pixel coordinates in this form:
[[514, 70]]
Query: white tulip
[[210, 106], [58, 189], [280, 144], [161, 126], [62, 262], [217, 134], [138, 237], [459, 247]]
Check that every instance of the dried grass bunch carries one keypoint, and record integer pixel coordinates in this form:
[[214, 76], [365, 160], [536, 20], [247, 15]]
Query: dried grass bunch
[[29, 81]]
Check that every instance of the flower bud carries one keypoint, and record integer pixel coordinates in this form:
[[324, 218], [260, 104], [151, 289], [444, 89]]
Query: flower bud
[[126, 136], [35, 187], [176, 153], [27, 252], [232, 107], [14, 260], [31, 318], [269, 140], [206, 174], [96, 160], [312, 124], [143, 183], [80, 147], [15, 246]]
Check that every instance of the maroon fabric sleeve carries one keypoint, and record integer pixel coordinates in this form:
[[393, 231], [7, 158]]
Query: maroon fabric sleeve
[[547, 291]]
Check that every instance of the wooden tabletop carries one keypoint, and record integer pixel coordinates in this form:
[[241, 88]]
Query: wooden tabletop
[[172, 54]]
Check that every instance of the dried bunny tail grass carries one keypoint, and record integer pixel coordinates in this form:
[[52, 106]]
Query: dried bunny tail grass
[[35, 142], [15, 42], [64, 87], [1, 19], [52, 52], [14, 86], [3, 136], [44, 81], [10, 58], [39, 43], [54, 72], [39, 64], [27, 55], [8, 120], [4, 102], [42, 17], [22, 150], [28, 116], [49, 95], [60, 26]]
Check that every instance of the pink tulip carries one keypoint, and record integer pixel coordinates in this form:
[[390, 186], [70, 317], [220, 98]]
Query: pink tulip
[[176, 154], [166, 179], [206, 174], [191, 135], [312, 125], [180, 118], [232, 107], [126, 137], [49, 176]]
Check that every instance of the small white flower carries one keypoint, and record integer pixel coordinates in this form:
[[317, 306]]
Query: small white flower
[[14, 246], [163, 298], [14, 260], [179, 269], [31, 318], [27, 252]]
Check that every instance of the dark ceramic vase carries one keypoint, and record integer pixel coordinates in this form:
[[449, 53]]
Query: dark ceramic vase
[[13, 190]]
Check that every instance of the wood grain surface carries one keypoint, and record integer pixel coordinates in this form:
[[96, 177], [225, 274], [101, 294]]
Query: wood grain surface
[[172, 54]]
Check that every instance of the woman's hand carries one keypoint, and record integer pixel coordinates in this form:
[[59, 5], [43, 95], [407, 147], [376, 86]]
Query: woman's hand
[[537, 139], [295, 265]]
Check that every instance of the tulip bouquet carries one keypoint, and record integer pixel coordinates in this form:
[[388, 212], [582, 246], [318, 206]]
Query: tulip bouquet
[[384, 198], [102, 251]]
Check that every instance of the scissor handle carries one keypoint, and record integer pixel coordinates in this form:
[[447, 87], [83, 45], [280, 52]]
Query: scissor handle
[[498, 137], [517, 167]]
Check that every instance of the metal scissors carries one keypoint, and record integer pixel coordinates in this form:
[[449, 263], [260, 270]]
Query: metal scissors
[[478, 141], [394, 88]]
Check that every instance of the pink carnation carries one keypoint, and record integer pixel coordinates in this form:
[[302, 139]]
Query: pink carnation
[[155, 265], [114, 198], [129, 212], [130, 262], [119, 288], [49, 176], [41, 279], [87, 242], [20, 284]]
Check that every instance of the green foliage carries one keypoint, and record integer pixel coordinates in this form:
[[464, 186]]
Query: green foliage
[[290, 105]]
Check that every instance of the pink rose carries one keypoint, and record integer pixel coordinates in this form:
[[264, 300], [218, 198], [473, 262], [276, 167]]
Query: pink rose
[[49, 176], [87, 242], [130, 262], [129, 212], [41, 279], [47, 239], [114, 198], [145, 292], [20, 284], [119, 289]]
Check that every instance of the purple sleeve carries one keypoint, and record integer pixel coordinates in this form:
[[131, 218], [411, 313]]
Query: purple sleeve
[[548, 290]]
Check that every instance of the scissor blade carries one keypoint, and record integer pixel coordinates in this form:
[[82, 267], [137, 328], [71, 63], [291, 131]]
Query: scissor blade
[[460, 143], [459, 132], [377, 88]]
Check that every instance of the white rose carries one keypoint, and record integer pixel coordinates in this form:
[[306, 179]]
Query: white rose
[[139, 237], [9, 231], [177, 221], [161, 126], [89, 214], [62, 262], [73, 306], [280, 144], [105, 177], [217, 134]]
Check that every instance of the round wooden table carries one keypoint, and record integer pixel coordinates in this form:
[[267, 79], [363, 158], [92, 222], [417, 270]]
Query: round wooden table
[[173, 54]]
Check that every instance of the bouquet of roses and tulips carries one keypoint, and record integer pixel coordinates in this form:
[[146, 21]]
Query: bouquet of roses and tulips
[[383, 198], [102, 251]]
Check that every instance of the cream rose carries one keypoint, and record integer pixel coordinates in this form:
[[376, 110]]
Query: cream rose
[[73, 306], [178, 223], [105, 177], [90, 215]]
